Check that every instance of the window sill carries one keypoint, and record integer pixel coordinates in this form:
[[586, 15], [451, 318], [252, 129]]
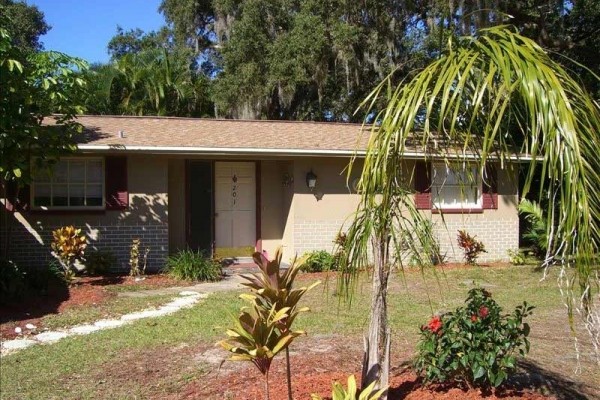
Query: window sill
[[476, 210], [67, 211]]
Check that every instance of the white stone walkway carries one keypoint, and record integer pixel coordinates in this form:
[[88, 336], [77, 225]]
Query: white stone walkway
[[185, 299]]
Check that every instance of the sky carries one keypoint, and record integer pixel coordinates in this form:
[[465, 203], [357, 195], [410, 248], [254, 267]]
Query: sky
[[82, 28]]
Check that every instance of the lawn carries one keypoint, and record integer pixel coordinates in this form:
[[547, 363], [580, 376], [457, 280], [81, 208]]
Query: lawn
[[175, 356]]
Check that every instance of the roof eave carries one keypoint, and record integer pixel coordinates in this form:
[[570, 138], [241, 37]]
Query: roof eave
[[248, 151]]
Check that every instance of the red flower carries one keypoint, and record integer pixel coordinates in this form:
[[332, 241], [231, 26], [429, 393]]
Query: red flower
[[435, 324], [473, 318], [483, 311]]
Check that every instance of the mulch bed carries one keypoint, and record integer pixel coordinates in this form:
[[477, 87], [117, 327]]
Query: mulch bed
[[319, 362], [86, 291]]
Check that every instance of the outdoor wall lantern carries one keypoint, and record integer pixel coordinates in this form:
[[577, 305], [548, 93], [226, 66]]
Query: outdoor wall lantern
[[311, 180]]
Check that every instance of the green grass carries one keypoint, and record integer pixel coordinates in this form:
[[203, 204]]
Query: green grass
[[111, 308], [73, 368]]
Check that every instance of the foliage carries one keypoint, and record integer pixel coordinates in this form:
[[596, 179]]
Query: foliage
[[275, 291], [255, 336], [24, 23], [134, 258], [471, 247], [475, 344], [99, 262], [319, 261], [135, 41], [36, 85], [536, 231], [316, 60], [193, 266], [339, 393], [516, 257], [12, 281], [68, 246], [151, 81]]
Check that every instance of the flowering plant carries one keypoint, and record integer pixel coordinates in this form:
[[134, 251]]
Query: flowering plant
[[474, 344]]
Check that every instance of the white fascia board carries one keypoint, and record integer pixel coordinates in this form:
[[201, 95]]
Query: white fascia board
[[248, 151]]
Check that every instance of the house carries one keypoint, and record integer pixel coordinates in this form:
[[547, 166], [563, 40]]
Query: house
[[233, 186]]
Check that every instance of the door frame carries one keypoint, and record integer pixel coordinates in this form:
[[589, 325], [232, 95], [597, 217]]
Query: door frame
[[258, 213]]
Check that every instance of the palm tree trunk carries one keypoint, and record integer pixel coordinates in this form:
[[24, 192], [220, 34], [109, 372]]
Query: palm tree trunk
[[288, 371], [376, 361]]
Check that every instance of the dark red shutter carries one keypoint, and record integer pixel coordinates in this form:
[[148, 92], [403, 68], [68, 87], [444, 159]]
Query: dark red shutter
[[490, 188], [22, 201], [115, 178], [423, 185]]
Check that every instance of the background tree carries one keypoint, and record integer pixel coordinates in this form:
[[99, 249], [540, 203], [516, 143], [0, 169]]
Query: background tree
[[494, 95], [316, 59], [149, 75], [24, 24], [35, 85]]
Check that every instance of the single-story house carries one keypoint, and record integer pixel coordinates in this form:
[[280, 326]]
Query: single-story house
[[233, 186]]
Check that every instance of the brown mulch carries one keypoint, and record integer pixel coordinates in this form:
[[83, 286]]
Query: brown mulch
[[85, 291], [321, 362]]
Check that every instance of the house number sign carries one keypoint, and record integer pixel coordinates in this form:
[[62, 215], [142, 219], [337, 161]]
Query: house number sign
[[234, 189]]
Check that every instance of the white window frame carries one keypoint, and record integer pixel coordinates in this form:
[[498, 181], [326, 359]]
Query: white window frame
[[436, 189], [68, 183]]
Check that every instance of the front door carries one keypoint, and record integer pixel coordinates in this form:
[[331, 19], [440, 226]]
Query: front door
[[235, 208]]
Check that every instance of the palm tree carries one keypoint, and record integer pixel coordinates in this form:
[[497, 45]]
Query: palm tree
[[495, 96], [151, 82]]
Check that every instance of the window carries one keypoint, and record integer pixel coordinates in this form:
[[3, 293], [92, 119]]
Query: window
[[456, 188], [72, 183]]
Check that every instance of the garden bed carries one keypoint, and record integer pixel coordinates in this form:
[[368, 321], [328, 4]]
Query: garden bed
[[87, 298], [318, 362]]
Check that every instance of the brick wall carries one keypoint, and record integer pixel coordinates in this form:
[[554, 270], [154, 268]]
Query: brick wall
[[31, 246], [498, 236], [310, 235]]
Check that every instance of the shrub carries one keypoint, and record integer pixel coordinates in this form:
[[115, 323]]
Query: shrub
[[319, 261], [68, 246], [339, 393], [516, 256], [193, 266], [536, 230], [99, 262], [12, 281], [475, 344], [471, 247]]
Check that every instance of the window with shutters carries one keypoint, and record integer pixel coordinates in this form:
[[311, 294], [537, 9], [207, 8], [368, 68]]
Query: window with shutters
[[456, 187], [73, 183]]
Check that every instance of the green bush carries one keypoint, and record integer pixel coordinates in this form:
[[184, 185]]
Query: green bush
[[475, 344], [516, 256], [99, 262], [193, 266], [12, 281], [319, 261]]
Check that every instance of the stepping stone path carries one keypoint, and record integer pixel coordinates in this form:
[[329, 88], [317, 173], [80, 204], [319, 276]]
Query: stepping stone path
[[186, 299]]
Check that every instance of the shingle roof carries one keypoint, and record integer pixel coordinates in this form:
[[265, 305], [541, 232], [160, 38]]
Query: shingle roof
[[196, 133]]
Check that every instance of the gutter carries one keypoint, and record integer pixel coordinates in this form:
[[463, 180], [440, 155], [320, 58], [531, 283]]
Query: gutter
[[249, 151]]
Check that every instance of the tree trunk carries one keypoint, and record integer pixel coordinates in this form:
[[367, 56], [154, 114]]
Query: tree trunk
[[376, 360], [288, 372]]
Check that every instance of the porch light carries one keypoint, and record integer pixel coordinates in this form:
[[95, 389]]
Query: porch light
[[311, 180]]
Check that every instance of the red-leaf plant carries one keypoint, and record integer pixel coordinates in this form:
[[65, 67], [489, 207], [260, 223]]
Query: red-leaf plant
[[273, 289]]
